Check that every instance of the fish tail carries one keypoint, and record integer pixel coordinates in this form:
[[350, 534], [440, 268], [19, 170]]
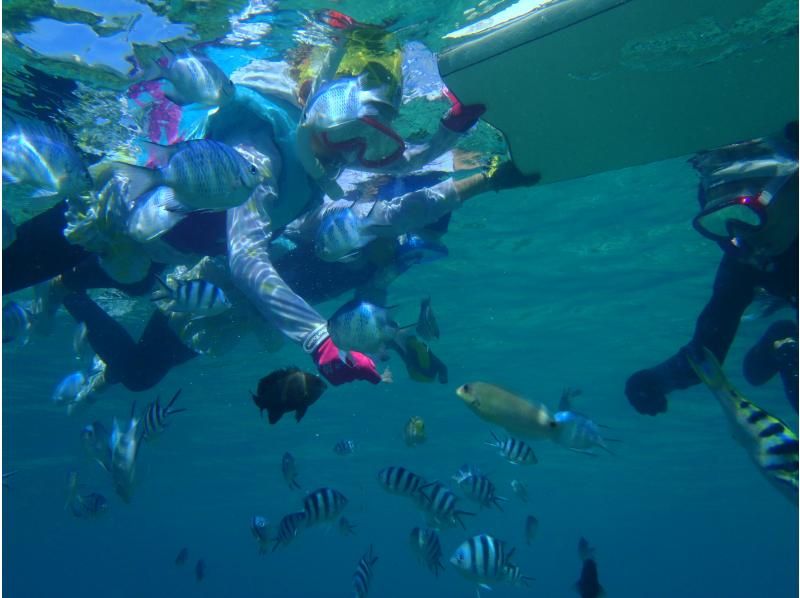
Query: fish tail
[[708, 369], [172, 402], [495, 442], [165, 293], [140, 179]]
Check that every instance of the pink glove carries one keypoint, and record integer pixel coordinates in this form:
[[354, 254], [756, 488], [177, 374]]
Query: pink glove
[[460, 118], [336, 19], [330, 365]]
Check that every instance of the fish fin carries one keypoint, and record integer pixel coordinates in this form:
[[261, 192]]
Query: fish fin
[[158, 152], [173, 399], [299, 413], [485, 586], [274, 416], [172, 205], [174, 96], [386, 376], [44, 193], [140, 179]]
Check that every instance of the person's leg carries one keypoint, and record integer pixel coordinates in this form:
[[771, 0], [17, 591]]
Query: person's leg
[[40, 251], [137, 366]]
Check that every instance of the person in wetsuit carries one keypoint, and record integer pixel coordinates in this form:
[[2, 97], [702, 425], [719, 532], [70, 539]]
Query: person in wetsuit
[[748, 195]]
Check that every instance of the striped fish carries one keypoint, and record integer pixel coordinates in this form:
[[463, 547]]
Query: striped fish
[[482, 558], [156, 417], [441, 503], [323, 504], [288, 528], [427, 547], [480, 489], [259, 527], [515, 451], [198, 297], [363, 575], [772, 446], [401, 481], [344, 447]]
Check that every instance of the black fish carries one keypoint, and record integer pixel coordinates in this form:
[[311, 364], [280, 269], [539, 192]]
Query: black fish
[[287, 390], [200, 570], [588, 586], [181, 558]]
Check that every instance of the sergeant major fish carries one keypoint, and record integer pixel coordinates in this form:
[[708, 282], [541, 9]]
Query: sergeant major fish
[[198, 297], [518, 416], [259, 527], [156, 417], [401, 481], [205, 174], [345, 527], [772, 446], [482, 558], [83, 505], [288, 528], [480, 489], [440, 504], [362, 578], [155, 213], [323, 504], [342, 234], [515, 451], [427, 547], [576, 431], [42, 156]]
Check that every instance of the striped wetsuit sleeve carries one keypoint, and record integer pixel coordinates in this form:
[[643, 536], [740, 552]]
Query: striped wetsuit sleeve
[[253, 273]]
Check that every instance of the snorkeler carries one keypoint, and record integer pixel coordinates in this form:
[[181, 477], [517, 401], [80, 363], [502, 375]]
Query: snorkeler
[[748, 196]]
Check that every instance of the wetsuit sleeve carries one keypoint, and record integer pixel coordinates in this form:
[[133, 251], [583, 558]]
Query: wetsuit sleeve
[[734, 290], [253, 273], [412, 211]]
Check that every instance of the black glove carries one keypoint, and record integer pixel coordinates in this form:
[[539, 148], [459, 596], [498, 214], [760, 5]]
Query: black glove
[[644, 392]]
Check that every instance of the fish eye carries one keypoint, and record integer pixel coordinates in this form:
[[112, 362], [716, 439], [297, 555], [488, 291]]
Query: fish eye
[[467, 388], [253, 169]]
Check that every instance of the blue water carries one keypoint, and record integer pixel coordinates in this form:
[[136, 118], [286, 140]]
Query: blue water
[[576, 284]]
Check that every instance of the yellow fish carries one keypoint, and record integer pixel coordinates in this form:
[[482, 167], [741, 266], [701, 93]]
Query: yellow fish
[[518, 416], [414, 432]]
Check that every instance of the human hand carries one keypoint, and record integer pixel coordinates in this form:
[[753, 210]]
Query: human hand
[[356, 366], [643, 390], [460, 117]]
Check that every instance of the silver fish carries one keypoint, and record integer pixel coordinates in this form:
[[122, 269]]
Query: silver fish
[[16, 323], [70, 387], [196, 79], [363, 575], [95, 440], [576, 431], [323, 504], [205, 174], [198, 297], [342, 101], [520, 489], [289, 470], [124, 450], [155, 213], [42, 156], [259, 527], [427, 548]]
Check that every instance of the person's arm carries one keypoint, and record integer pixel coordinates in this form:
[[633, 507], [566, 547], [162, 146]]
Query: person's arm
[[253, 273], [734, 289]]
